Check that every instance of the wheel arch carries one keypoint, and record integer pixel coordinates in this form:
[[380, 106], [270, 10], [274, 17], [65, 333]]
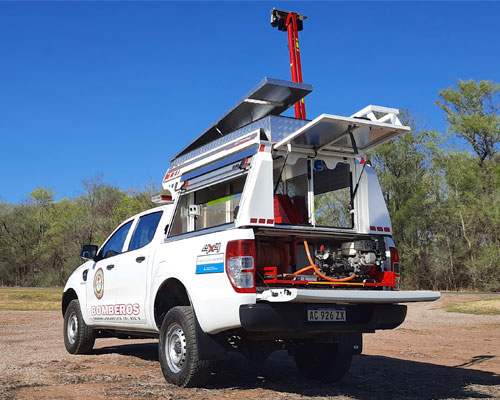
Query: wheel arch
[[67, 297], [171, 293]]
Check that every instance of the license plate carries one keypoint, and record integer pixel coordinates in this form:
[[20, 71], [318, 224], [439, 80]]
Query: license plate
[[326, 314]]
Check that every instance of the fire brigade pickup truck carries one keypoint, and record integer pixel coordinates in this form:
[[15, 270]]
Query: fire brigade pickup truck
[[272, 234]]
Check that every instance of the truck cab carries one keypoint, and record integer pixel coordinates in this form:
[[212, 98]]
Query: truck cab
[[273, 234]]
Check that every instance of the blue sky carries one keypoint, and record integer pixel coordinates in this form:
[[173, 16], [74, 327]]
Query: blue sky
[[117, 88]]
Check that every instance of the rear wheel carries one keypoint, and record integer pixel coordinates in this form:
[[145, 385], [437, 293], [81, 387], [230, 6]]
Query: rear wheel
[[178, 349], [78, 337], [322, 361]]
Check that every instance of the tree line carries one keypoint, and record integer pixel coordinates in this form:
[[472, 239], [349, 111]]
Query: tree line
[[442, 190], [444, 199], [41, 239]]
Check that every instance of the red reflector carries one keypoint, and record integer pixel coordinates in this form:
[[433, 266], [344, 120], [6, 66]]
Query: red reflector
[[270, 221], [386, 229], [262, 221], [372, 228], [253, 220], [262, 148], [394, 255], [379, 228], [362, 161]]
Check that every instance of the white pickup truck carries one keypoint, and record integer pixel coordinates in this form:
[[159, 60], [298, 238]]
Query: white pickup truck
[[273, 235]]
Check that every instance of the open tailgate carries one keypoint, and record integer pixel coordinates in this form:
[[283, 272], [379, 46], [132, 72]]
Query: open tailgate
[[345, 296]]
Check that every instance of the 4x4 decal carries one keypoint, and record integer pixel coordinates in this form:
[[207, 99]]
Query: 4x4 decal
[[211, 248]]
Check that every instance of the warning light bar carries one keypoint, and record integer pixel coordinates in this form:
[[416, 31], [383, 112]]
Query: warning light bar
[[162, 199]]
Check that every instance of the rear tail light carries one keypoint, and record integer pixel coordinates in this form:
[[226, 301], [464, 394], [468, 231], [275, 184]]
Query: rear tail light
[[394, 260], [395, 266], [240, 265]]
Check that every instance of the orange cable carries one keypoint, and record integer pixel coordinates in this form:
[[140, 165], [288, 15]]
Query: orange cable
[[301, 271], [316, 269]]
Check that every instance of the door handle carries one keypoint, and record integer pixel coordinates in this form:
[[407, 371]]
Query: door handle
[[140, 259], [110, 267]]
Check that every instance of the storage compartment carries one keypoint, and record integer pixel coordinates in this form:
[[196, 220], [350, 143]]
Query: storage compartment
[[313, 192], [291, 260]]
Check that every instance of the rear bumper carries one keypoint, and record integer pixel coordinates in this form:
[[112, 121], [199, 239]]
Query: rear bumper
[[292, 318]]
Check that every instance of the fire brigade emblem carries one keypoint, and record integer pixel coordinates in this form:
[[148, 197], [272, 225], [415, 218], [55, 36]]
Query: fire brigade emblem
[[99, 283]]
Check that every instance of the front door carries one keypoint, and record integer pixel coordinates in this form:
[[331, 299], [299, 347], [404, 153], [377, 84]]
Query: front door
[[101, 288]]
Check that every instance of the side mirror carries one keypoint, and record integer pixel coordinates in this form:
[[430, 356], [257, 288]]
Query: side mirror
[[89, 251]]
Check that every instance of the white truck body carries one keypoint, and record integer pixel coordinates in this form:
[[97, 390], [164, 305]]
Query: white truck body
[[224, 190]]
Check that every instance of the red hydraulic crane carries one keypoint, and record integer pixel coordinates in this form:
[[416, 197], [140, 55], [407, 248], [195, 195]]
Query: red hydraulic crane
[[292, 22]]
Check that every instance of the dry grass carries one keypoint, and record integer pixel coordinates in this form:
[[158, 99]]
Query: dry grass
[[485, 306], [30, 299]]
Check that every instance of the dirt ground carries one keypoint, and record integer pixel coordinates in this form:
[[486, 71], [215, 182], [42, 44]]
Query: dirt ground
[[433, 355]]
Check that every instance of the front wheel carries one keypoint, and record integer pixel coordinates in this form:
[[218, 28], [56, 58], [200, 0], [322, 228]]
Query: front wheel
[[78, 337], [322, 361], [178, 349]]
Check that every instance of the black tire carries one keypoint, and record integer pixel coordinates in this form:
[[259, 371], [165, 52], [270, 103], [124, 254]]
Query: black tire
[[78, 337], [322, 362], [178, 349]]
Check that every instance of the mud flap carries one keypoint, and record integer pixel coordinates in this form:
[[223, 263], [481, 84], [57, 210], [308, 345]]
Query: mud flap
[[351, 344], [208, 348]]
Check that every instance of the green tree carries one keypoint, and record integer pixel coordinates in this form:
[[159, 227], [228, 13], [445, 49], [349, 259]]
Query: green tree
[[471, 200], [473, 112], [99, 202], [406, 177]]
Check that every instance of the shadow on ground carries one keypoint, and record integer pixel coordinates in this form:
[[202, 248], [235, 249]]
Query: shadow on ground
[[144, 351], [370, 377]]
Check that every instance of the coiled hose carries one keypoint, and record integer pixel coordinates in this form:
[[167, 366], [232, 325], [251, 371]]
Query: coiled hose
[[316, 269]]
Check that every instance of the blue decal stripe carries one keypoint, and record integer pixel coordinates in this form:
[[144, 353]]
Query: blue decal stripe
[[210, 268]]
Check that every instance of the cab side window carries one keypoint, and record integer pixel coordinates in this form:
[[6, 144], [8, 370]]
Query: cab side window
[[114, 245], [145, 230]]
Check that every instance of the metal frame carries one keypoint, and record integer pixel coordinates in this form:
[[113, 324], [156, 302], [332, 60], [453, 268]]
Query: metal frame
[[391, 114]]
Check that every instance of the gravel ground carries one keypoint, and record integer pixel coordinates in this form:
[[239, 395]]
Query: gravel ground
[[433, 355]]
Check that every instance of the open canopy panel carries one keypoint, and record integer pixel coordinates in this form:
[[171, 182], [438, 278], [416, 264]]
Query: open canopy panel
[[344, 136], [269, 97]]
